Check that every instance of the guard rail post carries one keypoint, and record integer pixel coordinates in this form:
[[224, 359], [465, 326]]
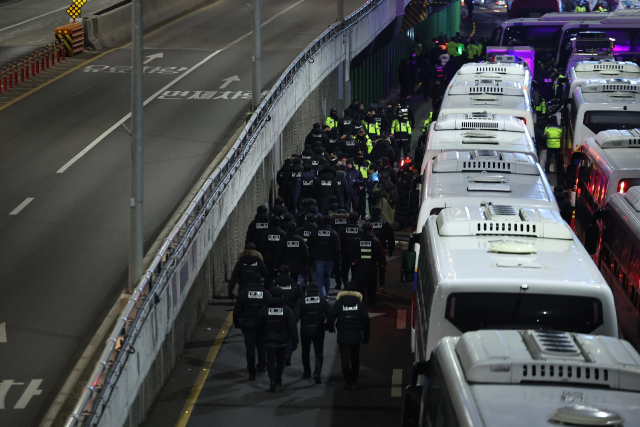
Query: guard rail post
[[33, 64], [22, 74], [36, 60], [1, 77], [46, 56], [5, 80], [43, 55]]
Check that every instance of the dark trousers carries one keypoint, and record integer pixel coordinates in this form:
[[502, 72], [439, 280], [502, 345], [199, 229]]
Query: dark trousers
[[318, 347], [350, 356], [367, 285], [557, 152], [345, 268], [252, 342], [362, 203], [275, 362], [405, 148], [352, 200]]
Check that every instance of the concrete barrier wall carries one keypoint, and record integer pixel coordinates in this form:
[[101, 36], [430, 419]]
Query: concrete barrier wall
[[207, 258], [113, 28]]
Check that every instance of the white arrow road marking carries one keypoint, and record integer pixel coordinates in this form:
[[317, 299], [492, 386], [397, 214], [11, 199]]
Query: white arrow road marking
[[152, 57], [3, 332], [21, 206], [158, 93], [229, 80]]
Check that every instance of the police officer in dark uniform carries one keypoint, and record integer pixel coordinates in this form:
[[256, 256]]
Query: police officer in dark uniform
[[351, 318], [280, 211], [268, 244], [249, 261], [368, 259], [245, 315], [307, 184], [277, 324], [347, 235], [293, 183], [317, 135], [307, 154], [282, 175], [386, 236], [349, 147], [292, 252], [308, 225], [291, 294], [258, 226], [312, 313], [346, 124]]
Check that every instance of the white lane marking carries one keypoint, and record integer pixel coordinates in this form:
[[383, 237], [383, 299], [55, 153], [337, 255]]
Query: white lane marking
[[3, 332], [30, 391], [21, 206], [33, 19], [158, 93], [376, 315], [4, 389], [396, 383], [152, 57], [229, 80], [402, 319]]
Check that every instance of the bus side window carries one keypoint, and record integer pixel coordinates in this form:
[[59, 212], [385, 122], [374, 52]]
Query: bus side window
[[618, 244], [440, 409], [608, 234]]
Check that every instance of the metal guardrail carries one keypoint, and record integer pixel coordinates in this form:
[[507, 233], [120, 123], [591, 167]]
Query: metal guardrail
[[122, 339]]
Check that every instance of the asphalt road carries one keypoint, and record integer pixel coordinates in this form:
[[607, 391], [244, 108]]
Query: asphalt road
[[64, 226], [228, 398]]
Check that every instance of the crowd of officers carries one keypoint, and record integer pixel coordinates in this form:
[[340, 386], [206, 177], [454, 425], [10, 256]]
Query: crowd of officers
[[333, 217]]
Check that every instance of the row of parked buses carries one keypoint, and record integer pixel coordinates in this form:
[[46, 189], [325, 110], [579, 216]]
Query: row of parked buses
[[513, 323]]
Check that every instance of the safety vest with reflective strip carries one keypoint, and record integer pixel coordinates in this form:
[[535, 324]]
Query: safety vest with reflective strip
[[555, 82], [367, 143], [331, 122], [554, 136], [399, 126], [363, 171], [452, 48], [427, 123], [372, 128], [580, 9], [473, 51], [542, 107]]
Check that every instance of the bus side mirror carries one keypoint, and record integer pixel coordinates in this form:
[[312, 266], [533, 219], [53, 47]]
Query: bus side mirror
[[591, 239], [408, 266], [413, 397]]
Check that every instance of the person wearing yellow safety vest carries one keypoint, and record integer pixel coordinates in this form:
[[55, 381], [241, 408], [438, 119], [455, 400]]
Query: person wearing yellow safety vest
[[333, 121], [401, 129], [427, 124], [541, 108], [473, 51], [362, 166], [452, 47], [553, 134], [558, 84], [371, 126], [580, 8], [363, 142]]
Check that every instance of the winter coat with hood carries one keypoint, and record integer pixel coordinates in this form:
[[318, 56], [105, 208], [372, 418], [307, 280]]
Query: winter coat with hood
[[404, 192], [258, 226], [307, 186], [292, 251], [249, 262], [367, 253], [268, 244], [317, 135], [380, 150], [339, 220], [350, 317], [312, 312], [382, 229], [290, 289], [353, 177], [277, 323], [307, 210], [326, 186], [283, 214], [341, 177], [250, 302], [324, 245], [305, 230]]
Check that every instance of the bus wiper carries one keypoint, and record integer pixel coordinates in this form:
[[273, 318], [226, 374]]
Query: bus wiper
[[518, 304]]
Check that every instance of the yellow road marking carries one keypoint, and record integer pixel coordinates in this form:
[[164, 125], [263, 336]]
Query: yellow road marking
[[35, 89], [202, 377]]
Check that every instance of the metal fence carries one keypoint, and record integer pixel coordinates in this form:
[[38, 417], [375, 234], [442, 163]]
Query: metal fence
[[144, 300]]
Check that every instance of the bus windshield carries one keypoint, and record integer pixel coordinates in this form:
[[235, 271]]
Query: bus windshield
[[488, 310], [537, 36], [625, 40], [597, 121]]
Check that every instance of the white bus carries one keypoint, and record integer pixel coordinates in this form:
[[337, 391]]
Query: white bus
[[586, 72], [491, 73], [525, 378], [496, 98], [501, 267], [478, 131], [468, 178], [599, 106]]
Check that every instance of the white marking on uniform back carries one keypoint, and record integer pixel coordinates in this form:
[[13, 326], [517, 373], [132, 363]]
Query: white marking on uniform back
[[349, 308], [276, 312], [312, 300]]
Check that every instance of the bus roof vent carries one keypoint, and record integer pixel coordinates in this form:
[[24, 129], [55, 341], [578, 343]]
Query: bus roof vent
[[614, 138], [479, 121], [485, 160], [503, 221], [513, 357], [607, 65], [486, 86], [611, 86], [633, 197], [498, 68]]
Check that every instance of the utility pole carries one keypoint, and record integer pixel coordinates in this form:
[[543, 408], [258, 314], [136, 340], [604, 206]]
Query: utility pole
[[136, 238], [257, 55], [340, 10]]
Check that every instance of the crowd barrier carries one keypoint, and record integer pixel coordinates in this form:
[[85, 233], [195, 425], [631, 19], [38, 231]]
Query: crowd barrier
[[16, 72], [149, 313]]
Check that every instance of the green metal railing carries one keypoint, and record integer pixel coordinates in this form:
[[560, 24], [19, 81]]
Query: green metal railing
[[377, 75]]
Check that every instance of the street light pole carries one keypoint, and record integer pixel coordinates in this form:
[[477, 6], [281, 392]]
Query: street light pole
[[136, 238], [257, 55]]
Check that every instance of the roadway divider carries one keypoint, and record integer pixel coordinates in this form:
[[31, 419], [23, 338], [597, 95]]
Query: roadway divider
[[112, 26], [18, 71], [146, 323]]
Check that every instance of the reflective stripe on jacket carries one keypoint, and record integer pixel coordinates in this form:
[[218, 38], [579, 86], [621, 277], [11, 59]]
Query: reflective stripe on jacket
[[554, 136]]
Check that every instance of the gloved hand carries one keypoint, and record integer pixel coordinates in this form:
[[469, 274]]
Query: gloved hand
[[237, 325], [365, 341], [295, 346]]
